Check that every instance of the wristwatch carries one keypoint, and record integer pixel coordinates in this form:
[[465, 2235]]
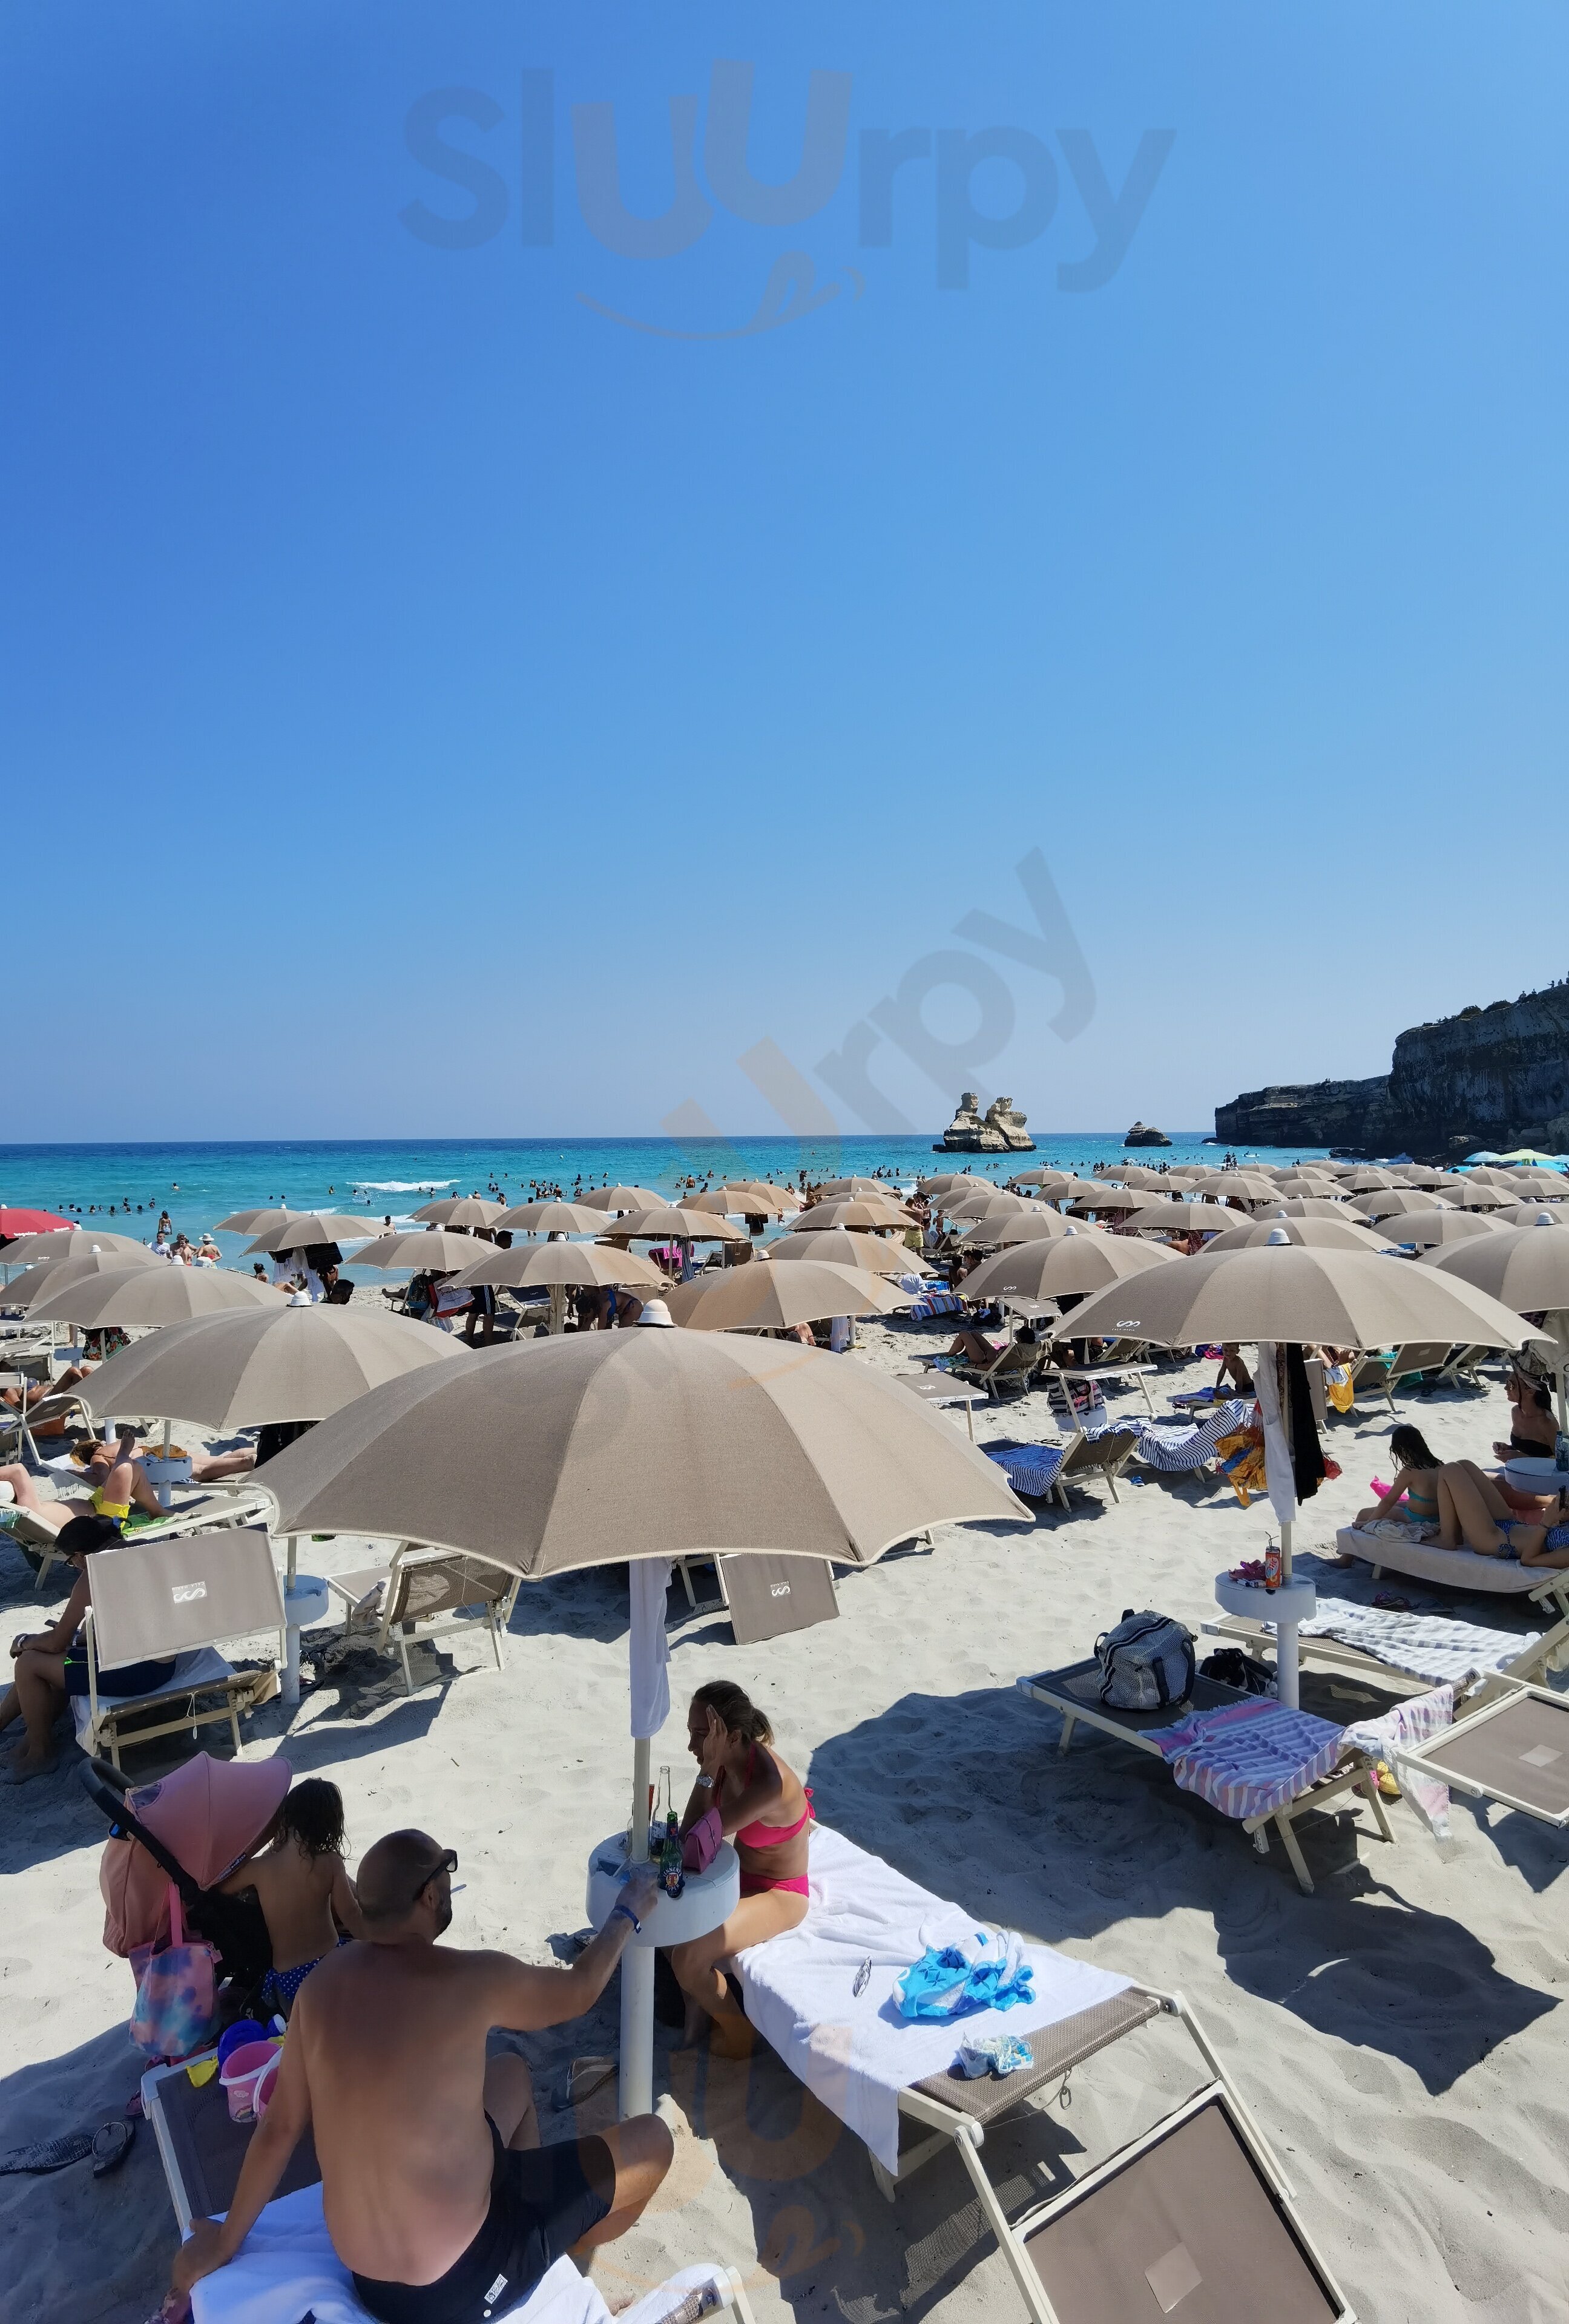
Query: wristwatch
[[626, 1914], [705, 1783]]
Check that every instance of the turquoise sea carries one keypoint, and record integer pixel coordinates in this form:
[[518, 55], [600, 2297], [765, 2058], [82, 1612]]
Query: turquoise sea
[[199, 1184]]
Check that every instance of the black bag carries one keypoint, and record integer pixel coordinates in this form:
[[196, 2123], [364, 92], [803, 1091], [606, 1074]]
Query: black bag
[[1231, 1667]]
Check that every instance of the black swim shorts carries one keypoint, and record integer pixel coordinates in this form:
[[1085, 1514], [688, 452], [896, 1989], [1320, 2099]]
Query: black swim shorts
[[543, 2199]]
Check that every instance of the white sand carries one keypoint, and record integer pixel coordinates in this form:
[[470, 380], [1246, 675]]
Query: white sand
[[1397, 2033]]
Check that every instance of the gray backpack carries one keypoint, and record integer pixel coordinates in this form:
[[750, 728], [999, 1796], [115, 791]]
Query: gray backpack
[[1146, 1663]]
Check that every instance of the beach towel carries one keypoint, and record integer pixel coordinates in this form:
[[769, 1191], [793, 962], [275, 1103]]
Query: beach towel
[[1428, 1646], [201, 1666], [1402, 1729], [930, 1303], [855, 2052], [1239, 1459], [1175, 1450], [287, 2270], [1032, 1468], [1250, 1759]]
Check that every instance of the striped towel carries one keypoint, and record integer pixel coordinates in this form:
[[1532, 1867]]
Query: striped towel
[[1250, 1759], [1032, 1468], [935, 1303], [1177, 1449]]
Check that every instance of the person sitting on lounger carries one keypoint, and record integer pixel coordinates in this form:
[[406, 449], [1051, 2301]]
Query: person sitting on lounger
[[1533, 1431], [437, 2194], [765, 1809], [300, 1882], [50, 1665], [30, 1398], [1415, 1481]]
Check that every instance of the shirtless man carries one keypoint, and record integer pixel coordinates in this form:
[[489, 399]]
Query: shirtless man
[[438, 2193]]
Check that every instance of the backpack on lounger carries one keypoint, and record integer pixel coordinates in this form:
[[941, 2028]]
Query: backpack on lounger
[[1146, 1663]]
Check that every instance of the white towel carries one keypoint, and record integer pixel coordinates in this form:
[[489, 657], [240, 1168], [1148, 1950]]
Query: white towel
[[202, 1666], [857, 2053], [287, 2269]]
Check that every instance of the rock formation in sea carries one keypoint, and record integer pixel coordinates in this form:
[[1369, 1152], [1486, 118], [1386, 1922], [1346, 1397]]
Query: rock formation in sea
[[1495, 1077], [1141, 1134], [999, 1130]]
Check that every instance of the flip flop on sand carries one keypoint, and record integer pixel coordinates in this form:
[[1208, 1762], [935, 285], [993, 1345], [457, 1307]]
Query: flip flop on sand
[[111, 2145], [48, 2153]]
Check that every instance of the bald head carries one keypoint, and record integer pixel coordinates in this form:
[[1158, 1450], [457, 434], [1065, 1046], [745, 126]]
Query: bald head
[[394, 1876]]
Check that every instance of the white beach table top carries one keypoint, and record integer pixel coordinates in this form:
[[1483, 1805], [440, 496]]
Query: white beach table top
[[857, 2053]]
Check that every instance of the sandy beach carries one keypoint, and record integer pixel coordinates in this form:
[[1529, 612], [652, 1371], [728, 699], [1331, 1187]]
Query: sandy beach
[[1397, 2033]]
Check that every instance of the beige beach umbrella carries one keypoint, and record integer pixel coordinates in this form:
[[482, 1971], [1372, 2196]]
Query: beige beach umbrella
[[1396, 1201], [1366, 1181], [459, 1210], [161, 1294], [435, 1250], [250, 1367], [676, 1223], [271, 1214], [68, 1242], [1525, 1268], [830, 1188], [560, 1264], [300, 1230], [54, 1274], [872, 1253], [856, 1211], [1114, 1200], [1342, 1234], [620, 1198], [781, 1200], [993, 1203], [769, 1298], [1314, 1185], [1239, 1186], [942, 1181], [1072, 1190], [1037, 1223], [1528, 1214], [1045, 1178], [1308, 1206], [1435, 1230], [1426, 1179], [1485, 1175], [1080, 1263], [738, 1200], [1182, 1218], [550, 1218], [1477, 1196]]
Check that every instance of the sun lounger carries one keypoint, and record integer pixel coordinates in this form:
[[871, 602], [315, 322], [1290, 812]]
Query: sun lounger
[[1404, 1552], [1403, 1653], [1281, 1787], [1061, 1376], [1183, 1452], [1037, 1471], [1199, 2199], [427, 1593], [215, 1509], [1513, 1747], [150, 1601], [767, 1597], [287, 2268]]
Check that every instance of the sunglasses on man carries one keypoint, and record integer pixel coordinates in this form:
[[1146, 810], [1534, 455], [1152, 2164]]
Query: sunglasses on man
[[446, 1862]]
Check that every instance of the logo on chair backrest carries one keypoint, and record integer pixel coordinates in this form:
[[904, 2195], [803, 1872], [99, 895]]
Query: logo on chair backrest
[[185, 1593], [779, 1589]]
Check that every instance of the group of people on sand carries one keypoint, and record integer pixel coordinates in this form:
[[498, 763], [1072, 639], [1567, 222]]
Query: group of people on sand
[[438, 2193], [1463, 1507]]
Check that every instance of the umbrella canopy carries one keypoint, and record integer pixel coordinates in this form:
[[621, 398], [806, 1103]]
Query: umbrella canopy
[[739, 1200], [1079, 1263], [856, 1211], [945, 1180], [1528, 1214], [129, 1295], [298, 1229], [1308, 1206], [52, 1275], [1529, 1155], [1473, 1196], [1526, 1268], [990, 1203], [591, 1449], [1238, 1185], [459, 1210], [22, 1223], [250, 1223], [1182, 1218], [1487, 1177], [551, 1218], [252, 1366], [209, 1813], [438, 1250], [591, 1263], [1113, 1198], [770, 1299], [1368, 1182], [1427, 1179], [1342, 1234], [841, 1248], [1396, 1200], [66, 1242], [833, 1186], [780, 1199], [1430, 1228], [672, 1221], [1279, 1292], [620, 1198], [1315, 1184], [1037, 1223], [1552, 1183]]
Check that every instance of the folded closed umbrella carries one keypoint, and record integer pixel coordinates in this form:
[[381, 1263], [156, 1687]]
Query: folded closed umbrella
[[251, 1366], [554, 1264], [1342, 1234], [459, 1210], [673, 1222], [551, 1218], [620, 1198], [1080, 1262], [855, 1210], [300, 1230], [770, 1298], [842, 1247], [52, 1275], [127, 1296], [1283, 1292], [66, 1242], [435, 1251]]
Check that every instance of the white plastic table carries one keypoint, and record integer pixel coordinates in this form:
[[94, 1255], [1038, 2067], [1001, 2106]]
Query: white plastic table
[[1293, 1602], [709, 1899], [305, 1602]]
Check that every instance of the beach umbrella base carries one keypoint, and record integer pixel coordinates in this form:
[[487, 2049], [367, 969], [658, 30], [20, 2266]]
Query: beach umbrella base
[[705, 1903], [1293, 1603], [305, 1602]]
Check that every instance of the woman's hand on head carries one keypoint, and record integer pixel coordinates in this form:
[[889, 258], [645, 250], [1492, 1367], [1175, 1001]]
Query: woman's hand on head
[[715, 1744]]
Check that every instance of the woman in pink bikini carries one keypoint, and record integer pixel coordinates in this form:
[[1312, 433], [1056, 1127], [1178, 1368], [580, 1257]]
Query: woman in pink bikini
[[765, 1809]]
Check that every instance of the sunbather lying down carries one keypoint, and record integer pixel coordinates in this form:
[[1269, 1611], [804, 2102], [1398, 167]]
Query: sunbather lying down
[[117, 1482], [1466, 1506], [30, 1398]]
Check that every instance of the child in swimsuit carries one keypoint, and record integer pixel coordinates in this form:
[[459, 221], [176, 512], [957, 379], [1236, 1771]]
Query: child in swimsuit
[[763, 1807], [1415, 1483], [307, 1897]]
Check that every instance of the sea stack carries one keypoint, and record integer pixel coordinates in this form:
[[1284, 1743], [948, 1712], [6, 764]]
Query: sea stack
[[1142, 1135], [999, 1130]]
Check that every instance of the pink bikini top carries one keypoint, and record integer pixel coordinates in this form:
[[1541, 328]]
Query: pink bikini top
[[770, 1835]]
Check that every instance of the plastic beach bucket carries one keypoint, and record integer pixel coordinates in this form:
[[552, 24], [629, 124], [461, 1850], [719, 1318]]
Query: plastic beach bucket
[[240, 2072], [266, 2083], [235, 2037]]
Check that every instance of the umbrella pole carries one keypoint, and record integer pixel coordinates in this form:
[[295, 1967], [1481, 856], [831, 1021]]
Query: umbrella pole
[[636, 2094], [1286, 1662]]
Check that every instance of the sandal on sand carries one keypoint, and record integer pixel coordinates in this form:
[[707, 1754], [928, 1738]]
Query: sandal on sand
[[1390, 1602], [111, 2145], [584, 2077], [48, 2153]]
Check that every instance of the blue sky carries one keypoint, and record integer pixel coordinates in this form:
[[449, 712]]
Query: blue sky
[[432, 706]]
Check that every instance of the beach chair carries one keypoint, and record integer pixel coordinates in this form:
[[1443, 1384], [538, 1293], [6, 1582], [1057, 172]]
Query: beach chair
[[1461, 1371], [1037, 1471], [1378, 1375], [1176, 1453], [36, 1532], [767, 1597], [1512, 1747], [1403, 1653], [1198, 2198], [179, 1596], [1398, 1548], [423, 1593], [1016, 1365], [287, 2267], [1060, 1376], [1329, 1773]]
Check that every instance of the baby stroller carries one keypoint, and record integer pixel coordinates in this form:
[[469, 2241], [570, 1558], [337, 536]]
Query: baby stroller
[[192, 1828]]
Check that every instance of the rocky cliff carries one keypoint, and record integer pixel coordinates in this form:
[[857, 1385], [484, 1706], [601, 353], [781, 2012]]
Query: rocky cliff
[[1490, 1077]]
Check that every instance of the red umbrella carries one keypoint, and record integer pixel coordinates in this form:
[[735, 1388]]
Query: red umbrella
[[21, 1222]]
